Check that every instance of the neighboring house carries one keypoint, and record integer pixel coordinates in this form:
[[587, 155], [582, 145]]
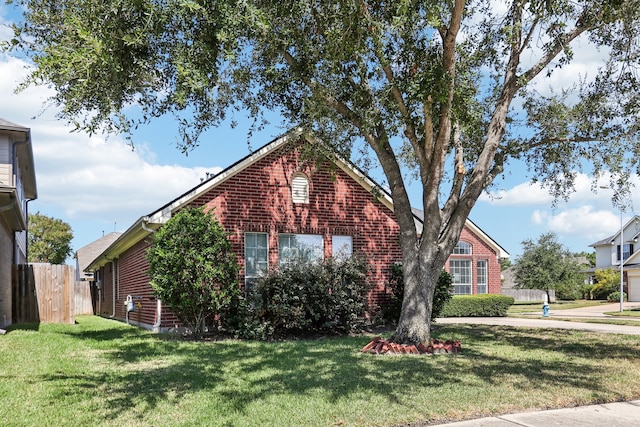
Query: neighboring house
[[84, 256], [609, 250], [17, 188], [276, 205]]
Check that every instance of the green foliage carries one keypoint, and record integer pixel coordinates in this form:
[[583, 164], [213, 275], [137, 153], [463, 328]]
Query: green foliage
[[192, 269], [547, 264], [49, 239], [606, 281], [395, 287], [615, 296], [302, 298], [484, 305]]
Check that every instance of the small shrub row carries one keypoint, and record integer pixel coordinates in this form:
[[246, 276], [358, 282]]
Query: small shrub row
[[485, 305], [615, 296], [305, 298]]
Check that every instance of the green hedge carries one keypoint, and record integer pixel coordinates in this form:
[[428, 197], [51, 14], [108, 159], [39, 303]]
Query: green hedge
[[485, 305]]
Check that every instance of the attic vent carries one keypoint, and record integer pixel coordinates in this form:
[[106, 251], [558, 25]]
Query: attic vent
[[300, 188]]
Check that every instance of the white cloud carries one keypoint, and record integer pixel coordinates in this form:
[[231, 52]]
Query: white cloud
[[522, 194], [584, 221]]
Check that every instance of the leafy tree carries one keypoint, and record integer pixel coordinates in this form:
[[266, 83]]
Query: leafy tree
[[191, 267], [49, 239], [444, 92], [547, 264], [606, 281]]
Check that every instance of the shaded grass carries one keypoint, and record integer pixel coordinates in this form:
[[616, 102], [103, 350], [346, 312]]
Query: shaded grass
[[101, 372]]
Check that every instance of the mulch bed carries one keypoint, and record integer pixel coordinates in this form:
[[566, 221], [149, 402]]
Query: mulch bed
[[435, 346]]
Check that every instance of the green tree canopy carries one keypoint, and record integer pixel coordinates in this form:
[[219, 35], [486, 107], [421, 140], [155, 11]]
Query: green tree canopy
[[443, 92], [49, 239], [191, 267], [546, 265]]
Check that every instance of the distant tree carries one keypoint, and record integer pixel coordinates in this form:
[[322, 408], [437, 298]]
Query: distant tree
[[505, 263], [546, 265], [191, 267], [49, 239], [590, 256]]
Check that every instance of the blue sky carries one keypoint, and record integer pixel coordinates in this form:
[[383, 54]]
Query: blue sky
[[99, 184]]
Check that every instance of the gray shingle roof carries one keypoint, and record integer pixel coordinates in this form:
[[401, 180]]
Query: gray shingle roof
[[88, 253]]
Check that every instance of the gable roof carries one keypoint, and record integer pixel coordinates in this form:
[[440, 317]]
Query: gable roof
[[151, 222], [90, 252], [499, 250], [635, 235]]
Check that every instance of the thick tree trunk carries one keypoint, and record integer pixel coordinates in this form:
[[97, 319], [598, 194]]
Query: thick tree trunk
[[414, 325]]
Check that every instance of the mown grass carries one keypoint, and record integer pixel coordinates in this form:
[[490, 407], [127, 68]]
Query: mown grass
[[532, 306], [101, 372]]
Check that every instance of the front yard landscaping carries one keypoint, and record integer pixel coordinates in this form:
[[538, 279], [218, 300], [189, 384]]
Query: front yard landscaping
[[102, 372]]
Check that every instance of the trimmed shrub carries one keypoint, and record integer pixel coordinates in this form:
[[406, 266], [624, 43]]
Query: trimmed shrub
[[304, 298], [485, 305], [395, 288], [615, 296]]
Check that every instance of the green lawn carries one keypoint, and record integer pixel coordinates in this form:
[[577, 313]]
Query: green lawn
[[533, 306], [101, 372]]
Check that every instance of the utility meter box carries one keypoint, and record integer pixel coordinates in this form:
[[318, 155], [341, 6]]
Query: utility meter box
[[131, 306]]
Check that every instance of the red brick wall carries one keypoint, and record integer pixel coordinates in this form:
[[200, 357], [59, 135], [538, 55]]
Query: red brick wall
[[259, 199], [479, 251]]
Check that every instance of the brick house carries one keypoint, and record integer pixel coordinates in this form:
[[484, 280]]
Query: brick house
[[277, 205], [17, 188]]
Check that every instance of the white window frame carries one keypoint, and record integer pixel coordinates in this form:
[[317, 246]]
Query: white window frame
[[482, 273], [462, 248], [261, 266], [300, 248], [462, 283], [341, 247]]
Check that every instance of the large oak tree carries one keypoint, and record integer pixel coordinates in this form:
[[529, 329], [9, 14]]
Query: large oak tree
[[439, 91]]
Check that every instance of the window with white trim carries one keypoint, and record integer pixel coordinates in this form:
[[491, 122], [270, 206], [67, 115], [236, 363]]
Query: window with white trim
[[341, 247], [256, 258], [300, 248], [482, 276], [462, 248], [461, 271], [300, 188]]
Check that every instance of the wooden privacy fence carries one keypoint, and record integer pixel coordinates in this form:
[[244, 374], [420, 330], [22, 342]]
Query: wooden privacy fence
[[48, 293]]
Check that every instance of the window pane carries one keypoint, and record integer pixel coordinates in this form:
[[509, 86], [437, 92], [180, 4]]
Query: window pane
[[341, 247], [255, 257], [300, 247], [482, 276], [462, 248], [461, 271]]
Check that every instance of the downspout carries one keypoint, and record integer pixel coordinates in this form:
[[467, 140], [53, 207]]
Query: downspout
[[156, 325], [113, 294]]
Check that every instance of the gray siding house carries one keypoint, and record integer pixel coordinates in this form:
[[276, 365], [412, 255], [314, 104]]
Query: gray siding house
[[17, 188]]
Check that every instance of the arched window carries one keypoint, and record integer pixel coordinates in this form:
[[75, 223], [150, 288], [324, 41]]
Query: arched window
[[300, 188], [462, 248]]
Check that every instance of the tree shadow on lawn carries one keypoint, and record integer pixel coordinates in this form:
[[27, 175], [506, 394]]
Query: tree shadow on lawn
[[145, 370]]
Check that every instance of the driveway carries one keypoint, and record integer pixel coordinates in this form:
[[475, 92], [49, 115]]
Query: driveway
[[535, 320]]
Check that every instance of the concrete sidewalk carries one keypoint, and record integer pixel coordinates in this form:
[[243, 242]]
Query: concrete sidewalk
[[536, 320], [619, 414]]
